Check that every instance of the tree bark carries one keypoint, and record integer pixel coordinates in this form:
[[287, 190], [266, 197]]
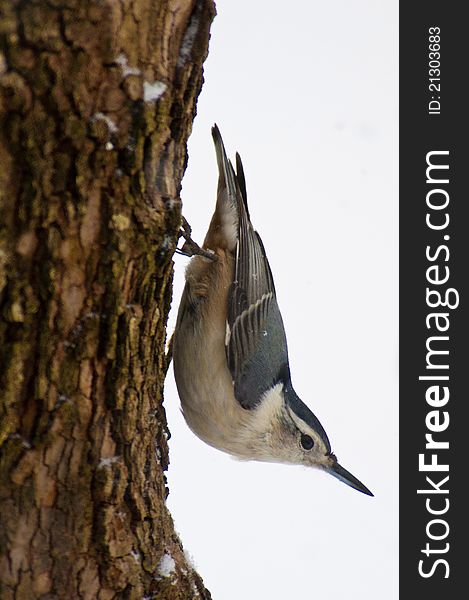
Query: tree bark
[[97, 99]]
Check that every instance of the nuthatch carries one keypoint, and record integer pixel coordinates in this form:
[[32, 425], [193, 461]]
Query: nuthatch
[[230, 350]]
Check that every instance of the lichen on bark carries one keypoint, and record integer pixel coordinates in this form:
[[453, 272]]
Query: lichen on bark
[[97, 100]]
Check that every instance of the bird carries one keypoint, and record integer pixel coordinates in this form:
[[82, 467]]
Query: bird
[[230, 355]]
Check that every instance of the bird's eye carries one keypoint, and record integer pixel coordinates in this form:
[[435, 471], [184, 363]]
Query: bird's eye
[[307, 441]]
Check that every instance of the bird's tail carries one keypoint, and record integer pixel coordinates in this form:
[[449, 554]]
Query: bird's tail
[[227, 177], [231, 199]]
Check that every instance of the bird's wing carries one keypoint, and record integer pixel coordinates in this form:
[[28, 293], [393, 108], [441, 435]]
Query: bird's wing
[[256, 346]]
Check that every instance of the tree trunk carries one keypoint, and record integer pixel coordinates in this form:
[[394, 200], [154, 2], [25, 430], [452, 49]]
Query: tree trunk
[[97, 99]]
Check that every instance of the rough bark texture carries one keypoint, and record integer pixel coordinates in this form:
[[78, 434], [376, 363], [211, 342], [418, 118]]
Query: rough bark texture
[[97, 100]]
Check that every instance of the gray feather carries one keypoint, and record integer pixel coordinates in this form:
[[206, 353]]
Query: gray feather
[[256, 347], [257, 350]]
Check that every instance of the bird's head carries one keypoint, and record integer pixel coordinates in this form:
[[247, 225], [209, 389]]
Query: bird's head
[[294, 435], [315, 448]]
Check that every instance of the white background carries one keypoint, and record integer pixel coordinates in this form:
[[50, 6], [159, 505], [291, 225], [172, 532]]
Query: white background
[[307, 93]]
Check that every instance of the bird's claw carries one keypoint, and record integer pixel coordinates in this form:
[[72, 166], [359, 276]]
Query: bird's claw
[[191, 248]]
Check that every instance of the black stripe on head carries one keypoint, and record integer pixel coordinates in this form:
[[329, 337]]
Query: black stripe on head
[[284, 377], [299, 407]]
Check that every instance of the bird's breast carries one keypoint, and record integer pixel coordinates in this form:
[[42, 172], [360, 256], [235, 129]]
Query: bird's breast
[[202, 376]]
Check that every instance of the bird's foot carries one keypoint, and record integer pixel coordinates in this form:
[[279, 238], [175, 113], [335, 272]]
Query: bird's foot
[[191, 248]]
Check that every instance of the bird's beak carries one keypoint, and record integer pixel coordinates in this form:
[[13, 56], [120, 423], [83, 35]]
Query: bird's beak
[[343, 475]]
